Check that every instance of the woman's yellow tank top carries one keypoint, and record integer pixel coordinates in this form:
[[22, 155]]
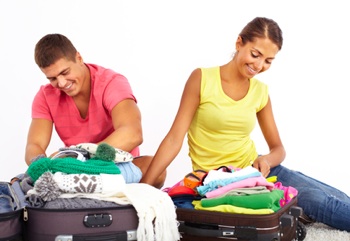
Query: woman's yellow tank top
[[219, 134]]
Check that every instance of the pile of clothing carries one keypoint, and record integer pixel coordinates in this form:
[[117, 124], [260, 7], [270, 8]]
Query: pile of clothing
[[231, 190], [88, 176]]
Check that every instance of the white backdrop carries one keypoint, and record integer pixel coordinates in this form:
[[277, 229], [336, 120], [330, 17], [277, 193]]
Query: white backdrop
[[156, 45]]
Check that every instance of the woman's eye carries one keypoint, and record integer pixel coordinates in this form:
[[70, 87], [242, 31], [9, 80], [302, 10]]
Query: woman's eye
[[268, 61], [254, 55]]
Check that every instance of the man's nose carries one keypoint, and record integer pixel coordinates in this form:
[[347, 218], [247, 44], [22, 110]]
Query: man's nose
[[61, 81]]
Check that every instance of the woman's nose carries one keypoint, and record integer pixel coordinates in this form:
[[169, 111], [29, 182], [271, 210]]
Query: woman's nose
[[259, 64]]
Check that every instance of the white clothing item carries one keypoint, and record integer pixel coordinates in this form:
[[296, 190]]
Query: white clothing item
[[120, 155], [214, 175], [89, 183]]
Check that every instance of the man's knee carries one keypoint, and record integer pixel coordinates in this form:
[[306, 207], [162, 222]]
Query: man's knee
[[143, 162]]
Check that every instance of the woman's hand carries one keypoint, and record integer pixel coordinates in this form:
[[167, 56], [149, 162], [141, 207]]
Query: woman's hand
[[262, 164]]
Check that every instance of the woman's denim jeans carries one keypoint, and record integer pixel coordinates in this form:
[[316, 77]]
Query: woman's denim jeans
[[319, 201]]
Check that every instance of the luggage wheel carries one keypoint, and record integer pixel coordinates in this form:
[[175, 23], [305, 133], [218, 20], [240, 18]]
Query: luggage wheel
[[301, 231]]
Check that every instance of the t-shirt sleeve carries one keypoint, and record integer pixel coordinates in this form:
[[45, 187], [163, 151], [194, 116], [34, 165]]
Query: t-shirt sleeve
[[117, 90], [264, 96], [40, 108]]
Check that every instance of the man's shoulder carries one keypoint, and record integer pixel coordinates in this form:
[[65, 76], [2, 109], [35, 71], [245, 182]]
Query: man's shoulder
[[102, 73], [48, 89]]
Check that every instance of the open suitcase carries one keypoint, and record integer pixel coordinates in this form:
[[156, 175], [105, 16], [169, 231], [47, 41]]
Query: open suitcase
[[108, 224], [215, 226], [26, 223]]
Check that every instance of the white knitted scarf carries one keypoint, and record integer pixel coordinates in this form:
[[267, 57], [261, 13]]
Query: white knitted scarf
[[156, 212]]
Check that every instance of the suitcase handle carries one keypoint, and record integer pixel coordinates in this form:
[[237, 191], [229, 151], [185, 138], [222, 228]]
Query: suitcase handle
[[205, 230], [120, 236]]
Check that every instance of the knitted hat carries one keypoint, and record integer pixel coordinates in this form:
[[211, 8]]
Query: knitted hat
[[105, 152], [92, 148]]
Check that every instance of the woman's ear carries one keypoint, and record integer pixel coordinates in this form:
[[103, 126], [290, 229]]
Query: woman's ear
[[239, 43]]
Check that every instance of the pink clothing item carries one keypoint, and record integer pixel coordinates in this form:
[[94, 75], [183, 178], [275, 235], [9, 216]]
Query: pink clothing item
[[289, 193], [108, 88], [249, 182]]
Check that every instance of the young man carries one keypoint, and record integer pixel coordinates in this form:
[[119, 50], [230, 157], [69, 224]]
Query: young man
[[86, 103]]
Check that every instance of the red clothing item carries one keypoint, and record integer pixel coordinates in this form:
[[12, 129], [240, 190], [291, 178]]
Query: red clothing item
[[108, 88]]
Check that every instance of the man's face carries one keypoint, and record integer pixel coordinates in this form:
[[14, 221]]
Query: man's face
[[66, 75]]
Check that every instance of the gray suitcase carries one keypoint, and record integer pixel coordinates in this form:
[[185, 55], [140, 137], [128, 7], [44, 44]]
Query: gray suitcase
[[108, 224], [21, 222]]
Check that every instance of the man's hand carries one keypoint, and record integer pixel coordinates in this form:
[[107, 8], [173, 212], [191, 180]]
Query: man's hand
[[34, 159]]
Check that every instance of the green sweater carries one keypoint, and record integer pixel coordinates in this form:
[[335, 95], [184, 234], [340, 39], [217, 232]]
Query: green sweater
[[70, 165], [269, 200]]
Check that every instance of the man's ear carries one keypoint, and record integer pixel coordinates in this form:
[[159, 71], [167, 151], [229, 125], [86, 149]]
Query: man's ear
[[78, 58]]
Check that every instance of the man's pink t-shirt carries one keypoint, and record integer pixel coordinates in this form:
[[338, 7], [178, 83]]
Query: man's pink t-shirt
[[108, 88]]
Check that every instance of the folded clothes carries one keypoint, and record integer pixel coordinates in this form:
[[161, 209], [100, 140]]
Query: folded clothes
[[215, 175], [247, 191], [248, 182], [50, 186], [71, 165], [270, 200], [85, 183], [130, 172], [226, 208]]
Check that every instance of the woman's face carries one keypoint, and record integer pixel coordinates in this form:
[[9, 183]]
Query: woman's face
[[255, 57]]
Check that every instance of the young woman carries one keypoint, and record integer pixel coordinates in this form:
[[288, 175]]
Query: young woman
[[218, 111]]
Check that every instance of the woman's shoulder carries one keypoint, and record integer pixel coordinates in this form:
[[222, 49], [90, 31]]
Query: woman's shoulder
[[207, 71], [257, 86], [257, 82], [211, 68]]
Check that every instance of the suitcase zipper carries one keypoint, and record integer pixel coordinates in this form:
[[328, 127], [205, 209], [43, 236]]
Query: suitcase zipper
[[25, 214], [13, 193], [8, 216]]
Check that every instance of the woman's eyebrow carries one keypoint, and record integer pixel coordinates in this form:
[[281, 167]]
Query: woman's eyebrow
[[262, 54]]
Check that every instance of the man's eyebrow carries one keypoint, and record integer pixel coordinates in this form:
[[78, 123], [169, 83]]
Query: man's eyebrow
[[54, 77]]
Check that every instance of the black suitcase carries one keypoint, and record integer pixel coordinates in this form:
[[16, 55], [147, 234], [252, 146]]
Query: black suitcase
[[112, 224], [11, 213], [215, 226]]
